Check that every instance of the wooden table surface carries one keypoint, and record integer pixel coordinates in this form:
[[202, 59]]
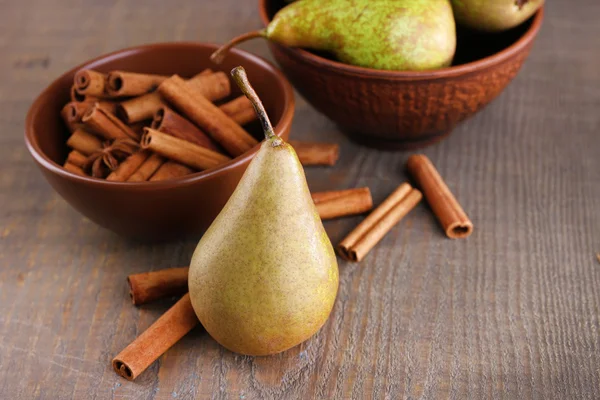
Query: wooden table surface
[[512, 312]]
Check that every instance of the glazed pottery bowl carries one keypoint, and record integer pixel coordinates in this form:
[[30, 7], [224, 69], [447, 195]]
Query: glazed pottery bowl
[[164, 209], [403, 110]]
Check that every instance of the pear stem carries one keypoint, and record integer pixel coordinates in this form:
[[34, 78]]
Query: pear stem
[[218, 56], [241, 79]]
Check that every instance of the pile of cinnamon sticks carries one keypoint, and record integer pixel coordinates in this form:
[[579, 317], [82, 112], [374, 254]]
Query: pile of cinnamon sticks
[[135, 127]]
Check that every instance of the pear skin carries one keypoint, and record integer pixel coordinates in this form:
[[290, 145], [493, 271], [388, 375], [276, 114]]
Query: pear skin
[[264, 276], [401, 35], [494, 15]]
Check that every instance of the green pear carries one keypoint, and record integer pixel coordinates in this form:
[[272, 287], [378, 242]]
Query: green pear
[[402, 35], [494, 15], [264, 276]]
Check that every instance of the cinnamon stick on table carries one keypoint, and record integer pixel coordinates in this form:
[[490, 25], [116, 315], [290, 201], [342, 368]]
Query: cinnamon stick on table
[[341, 203], [446, 208], [171, 170], [312, 153], [156, 340], [373, 228], [169, 122], [181, 151], [90, 83], [154, 285], [207, 116], [121, 83], [147, 169]]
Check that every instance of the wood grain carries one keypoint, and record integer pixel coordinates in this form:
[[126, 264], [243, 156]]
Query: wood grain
[[512, 312]]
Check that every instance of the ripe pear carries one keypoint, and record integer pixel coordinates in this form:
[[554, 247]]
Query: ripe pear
[[402, 35], [264, 276], [494, 15]]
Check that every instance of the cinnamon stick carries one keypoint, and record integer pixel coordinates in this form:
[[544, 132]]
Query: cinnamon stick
[[240, 110], [76, 96], [207, 116], [147, 169], [121, 83], [77, 158], [171, 123], [171, 170], [90, 83], [128, 167], [71, 113], [335, 204], [370, 231], [156, 340], [181, 151], [139, 108], [74, 169], [214, 86], [244, 117], [84, 142], [311, 153], [446, 208], [145, 106], [106, 124], [150, 286]]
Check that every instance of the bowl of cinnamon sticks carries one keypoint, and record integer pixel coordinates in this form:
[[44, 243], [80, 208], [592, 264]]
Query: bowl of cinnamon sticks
[[151, 141]]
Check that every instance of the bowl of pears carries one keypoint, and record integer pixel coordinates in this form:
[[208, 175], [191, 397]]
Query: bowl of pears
[[398, 74]]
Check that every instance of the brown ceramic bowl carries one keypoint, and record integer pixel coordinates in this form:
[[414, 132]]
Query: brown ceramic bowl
[[153, 210], [402, 110]]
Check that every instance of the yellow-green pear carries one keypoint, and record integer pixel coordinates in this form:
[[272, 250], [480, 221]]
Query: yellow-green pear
[[264, 276], [494, 15]]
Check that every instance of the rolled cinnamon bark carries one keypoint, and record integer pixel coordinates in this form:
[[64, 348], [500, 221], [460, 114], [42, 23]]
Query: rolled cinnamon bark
[[121, 83], [236, 105], [311, 153], [171, 170], [90, 83], [150, 286], [244, 117], [77, 158], [214, 87], [181, 151], [207, 116], [74, 169], [370, 231], [106, 124], [72, 112], [446, 208], [341, 203], [156, 340], [145, 106], [139, 108], [128, 167], [171, 123], [147, 169], [76, 96], [84, 142], [240, 110]]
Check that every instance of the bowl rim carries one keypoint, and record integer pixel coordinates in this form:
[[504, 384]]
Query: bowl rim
[[442, 73], [43, 160]]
